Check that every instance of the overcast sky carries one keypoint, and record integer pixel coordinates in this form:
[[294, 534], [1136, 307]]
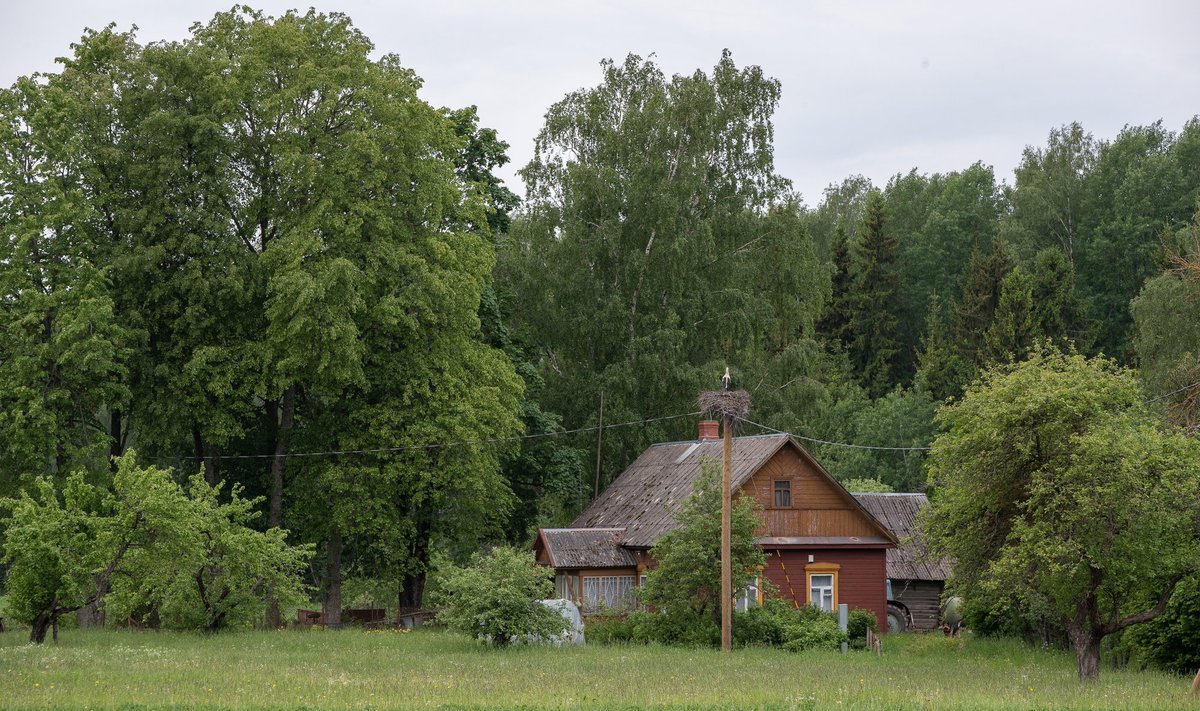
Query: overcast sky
[[875, 88]]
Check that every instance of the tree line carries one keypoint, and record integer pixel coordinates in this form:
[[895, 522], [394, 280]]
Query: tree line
[[258, 243]]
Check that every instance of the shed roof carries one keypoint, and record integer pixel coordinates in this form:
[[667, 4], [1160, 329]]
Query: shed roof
[[900, 512], [585, 548], [643, 499]]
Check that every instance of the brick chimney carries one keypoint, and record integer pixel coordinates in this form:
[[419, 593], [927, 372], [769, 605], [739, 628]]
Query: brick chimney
[[710, 430]]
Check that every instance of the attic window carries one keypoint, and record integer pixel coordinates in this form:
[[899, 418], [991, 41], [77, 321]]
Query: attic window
[[783, 494]]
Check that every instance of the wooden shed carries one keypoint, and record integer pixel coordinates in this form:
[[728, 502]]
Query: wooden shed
[[915, 580], [823, 547]]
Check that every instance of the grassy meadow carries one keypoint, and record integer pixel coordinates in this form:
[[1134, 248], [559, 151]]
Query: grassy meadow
[[434, 669]]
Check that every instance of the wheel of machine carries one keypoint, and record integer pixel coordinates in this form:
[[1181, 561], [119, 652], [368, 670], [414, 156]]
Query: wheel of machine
[[897, 619]]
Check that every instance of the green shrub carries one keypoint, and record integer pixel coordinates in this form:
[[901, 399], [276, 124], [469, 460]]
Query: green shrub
[[769, 625], [857, 625], [821, 633], [684, 628], [609, 630], [758, 627], [1171, 641], [498, 598]]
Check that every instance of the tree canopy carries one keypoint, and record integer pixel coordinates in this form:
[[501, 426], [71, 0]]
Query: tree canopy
[[1056, 487]]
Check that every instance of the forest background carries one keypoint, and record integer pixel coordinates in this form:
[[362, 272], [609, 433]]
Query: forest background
[[257, 253]]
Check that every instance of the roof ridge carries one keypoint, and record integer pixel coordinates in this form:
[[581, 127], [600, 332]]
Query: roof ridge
[[693, 441]]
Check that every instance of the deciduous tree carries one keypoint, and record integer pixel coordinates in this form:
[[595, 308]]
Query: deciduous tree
[[688, 575], [1055, 485]]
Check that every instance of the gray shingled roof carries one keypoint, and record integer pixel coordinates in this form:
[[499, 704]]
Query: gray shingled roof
[[643, 498], [899, 512], [586, 548]]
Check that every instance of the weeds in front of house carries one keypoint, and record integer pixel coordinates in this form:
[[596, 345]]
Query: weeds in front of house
[[431, 668]]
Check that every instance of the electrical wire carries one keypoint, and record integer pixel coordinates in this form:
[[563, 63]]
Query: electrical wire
[[578, 430], [838, 444], [1176, 390], [441, 445]]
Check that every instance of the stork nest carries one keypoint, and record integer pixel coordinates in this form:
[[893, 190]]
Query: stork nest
[[732, 406]]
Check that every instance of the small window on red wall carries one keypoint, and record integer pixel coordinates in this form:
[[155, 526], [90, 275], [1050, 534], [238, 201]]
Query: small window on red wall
[[783, 494]]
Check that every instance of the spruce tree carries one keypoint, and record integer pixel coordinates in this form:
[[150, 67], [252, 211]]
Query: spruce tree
[[941, 371], [873, 324], [835, 325], [1059, 312], [976, 309], [1014, 326]]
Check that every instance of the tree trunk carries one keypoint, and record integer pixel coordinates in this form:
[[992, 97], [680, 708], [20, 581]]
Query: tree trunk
[[206, 453], [1086, 644], [282, 426], [331, 605], [286, 416], [40, 626], [91, 615], [117, 447], [413, 591]]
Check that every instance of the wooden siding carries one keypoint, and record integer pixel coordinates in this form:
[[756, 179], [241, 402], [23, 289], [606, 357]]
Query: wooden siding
[[860, 579], [923, 598], [818, 508]]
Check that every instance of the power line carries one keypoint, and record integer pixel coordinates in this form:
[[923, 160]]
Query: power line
[[1176, 390], [437, 445], [838, 444]]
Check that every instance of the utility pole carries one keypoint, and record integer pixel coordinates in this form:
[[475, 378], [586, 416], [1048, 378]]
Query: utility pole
[[731, 406], [726, 535]]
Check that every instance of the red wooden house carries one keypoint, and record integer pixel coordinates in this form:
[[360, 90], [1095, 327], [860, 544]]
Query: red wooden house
[[823, 547]]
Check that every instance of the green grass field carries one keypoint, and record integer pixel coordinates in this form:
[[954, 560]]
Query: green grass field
[[353, 669]]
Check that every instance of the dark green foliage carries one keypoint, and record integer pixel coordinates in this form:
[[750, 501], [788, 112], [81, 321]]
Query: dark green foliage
[[776, 624], [835, 325], [819, 634], [498, 598], [939, 220], [1059, 312], [480, 153], [1014, 323], [902, 418], [1167, 342], [684, 628], [942, 372], [859, 622], [1172, 641], [976, 310], [762, 626], [874, 345]]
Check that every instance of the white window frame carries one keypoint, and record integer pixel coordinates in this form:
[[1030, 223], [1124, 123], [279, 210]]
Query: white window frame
[[820, 593], [608, 593], [564, 586], [748, 596]]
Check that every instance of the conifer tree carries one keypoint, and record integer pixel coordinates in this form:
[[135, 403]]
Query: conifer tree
[[1014, 327], [875, 345], [941, 371], [981, 295], [836, 324], [1058, 311]]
